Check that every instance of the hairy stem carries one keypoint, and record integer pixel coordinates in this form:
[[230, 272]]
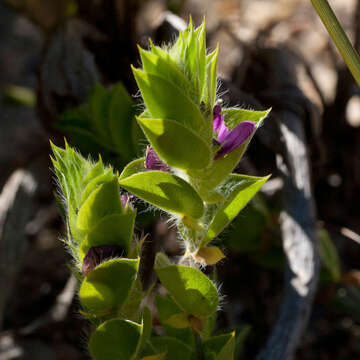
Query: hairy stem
[[338, 35]]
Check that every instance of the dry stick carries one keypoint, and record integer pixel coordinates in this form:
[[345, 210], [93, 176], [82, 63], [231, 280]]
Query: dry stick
[[298, 233], [15, 212], [298, 215]]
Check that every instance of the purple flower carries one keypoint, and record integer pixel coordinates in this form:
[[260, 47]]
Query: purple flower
[[230, 139], [97, 254], [153, 162]]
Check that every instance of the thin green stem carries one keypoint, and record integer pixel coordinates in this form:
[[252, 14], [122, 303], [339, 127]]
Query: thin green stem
[[347, 51], [199, 347]]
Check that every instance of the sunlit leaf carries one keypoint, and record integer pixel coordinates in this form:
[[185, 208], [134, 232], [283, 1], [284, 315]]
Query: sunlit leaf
[[177, 145], [166, 191], [190, 288]]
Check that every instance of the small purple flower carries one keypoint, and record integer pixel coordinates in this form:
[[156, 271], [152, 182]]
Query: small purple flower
[[97, 254], [230, 139], [152, 160]]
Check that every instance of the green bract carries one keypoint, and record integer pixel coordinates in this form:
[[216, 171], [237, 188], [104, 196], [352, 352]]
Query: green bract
[[95, 213]]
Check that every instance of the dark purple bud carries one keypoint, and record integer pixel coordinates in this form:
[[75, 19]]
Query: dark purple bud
[[153, 162], [98, 254], [230, 139]]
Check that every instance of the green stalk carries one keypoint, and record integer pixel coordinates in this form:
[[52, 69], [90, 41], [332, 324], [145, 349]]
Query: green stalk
[[349, 54]]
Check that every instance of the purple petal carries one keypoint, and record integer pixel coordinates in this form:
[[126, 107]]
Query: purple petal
[[97, 254], [153, 162], [233, 139], [218, 119]]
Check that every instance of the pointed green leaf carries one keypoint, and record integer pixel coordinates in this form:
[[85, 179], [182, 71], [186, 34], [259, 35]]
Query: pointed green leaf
[[234, 116], [99, 105], [166, 191], [222, 346], [132, 168], [115, 339], [201, 36], [329, 255], [190, 288], [212, 60], [105, 177], [147, 327], [241, 336], [243, 190], [114, 229], [158, 62], [175, 349], [121, 119], [177, 145], [94, 172], [104, 200], [165, 100], [166, 308], [116, 277]]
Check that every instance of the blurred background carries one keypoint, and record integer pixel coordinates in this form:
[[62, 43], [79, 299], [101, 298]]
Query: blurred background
[[51, 55]]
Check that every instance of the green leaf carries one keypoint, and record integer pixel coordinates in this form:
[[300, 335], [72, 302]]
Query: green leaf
[[121, 119], [329, 255], [201, 40], [234, 116], [114, 229], [222, 346], [190, 289], [209, 255], [132, 168], [243, 189], [130, 308], [251, 225], [175, 349], [166, 191], [155, 357], [147, 327], [177, 145], [103, 201], [99, 105], [178, 321], [166, 308], [211, 65], [241, 336], [165, 100], [116, 277], [115, 339]]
